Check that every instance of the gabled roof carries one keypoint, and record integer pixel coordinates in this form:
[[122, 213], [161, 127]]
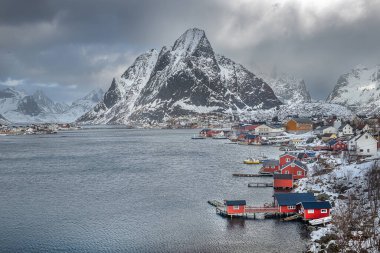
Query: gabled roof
[[282, 176], [315, 204], [268, 163], [235, 202], [302, 120], [298, 163], [291, 199]]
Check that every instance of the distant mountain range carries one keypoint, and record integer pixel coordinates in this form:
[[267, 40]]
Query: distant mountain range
[[189, 78], [19, 107]]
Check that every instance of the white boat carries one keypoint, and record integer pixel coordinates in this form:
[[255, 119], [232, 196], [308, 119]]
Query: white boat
[[320, 221], [220, 136], [198, 137]]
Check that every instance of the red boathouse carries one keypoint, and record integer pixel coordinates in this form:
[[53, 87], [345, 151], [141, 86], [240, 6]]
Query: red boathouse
[[282, 181], [234, 207], [314, 209], [270, 166]]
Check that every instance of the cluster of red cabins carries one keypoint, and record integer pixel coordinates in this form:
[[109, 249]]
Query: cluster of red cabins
[[303, 204], [288, 168]]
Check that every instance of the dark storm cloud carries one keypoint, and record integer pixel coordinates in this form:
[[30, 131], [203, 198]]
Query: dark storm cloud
[[84, 44]]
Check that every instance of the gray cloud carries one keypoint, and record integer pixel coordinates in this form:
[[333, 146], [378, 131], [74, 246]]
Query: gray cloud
[[84, 44]]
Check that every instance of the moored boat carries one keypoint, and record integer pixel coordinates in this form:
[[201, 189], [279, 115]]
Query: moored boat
[[251, 161], [320, 221]]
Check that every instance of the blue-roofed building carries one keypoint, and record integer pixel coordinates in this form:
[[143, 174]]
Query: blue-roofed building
[[287, 202]]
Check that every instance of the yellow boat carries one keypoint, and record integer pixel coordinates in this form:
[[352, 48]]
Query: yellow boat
[[251, 161]]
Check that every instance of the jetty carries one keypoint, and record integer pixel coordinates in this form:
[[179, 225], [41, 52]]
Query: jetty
[[251, 175], [215, 203], [256, 184]]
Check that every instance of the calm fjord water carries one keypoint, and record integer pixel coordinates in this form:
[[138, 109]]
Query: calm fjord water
[[119, 190]]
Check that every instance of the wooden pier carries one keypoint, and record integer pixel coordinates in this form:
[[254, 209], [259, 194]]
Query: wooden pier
[[215, 203], [251, 175], [260, 185], [250, 211]]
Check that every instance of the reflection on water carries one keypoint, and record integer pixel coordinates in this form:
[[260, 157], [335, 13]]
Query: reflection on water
[[118, 190]]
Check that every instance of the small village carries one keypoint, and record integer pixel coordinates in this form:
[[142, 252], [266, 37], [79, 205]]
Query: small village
[[43, 128], [312, 150]]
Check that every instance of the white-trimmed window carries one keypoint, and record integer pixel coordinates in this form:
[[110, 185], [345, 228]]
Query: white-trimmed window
[[299, 173], [288, 159], [310, 211], [286, 172], [236, 207], [291, 207], [323, 210]]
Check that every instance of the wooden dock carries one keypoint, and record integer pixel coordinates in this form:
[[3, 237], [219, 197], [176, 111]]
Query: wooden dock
[[260, 185], [251, 175], [250, 211], [215, 203]]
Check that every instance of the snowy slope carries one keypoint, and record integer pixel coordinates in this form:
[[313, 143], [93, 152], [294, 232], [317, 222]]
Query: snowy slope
[[358, 89], [3, 121], [302, 110], [187, 78], [289, 89]]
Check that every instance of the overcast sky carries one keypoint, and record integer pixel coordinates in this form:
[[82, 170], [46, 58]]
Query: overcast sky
[[67, 48]]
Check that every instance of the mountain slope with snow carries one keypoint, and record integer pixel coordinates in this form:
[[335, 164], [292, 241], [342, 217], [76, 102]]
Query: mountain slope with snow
[[185, 79], [19, 107], [288, 89], [358, 90]]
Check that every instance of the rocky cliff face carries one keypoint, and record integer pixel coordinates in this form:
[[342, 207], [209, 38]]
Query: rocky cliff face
[[358, 90], [187, 78]]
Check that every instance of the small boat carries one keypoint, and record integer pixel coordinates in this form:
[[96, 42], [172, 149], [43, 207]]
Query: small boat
[[320, 221], [198, 137], [220, 136], [251, 161]]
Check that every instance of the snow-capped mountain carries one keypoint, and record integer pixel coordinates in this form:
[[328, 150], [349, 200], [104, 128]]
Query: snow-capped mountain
[[187, 78], [358, 90], [288, 89], [19, 107], [82, 105], [47, 105]]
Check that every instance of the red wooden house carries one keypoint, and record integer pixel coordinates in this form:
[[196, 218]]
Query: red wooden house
[[282, 181], [314, 209], [337, 145], [285, 158], [234, 207], [270, 166], [296, 168], [287, 202]]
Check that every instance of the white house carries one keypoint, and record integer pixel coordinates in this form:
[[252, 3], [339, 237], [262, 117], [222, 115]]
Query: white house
[[265, 130], [329, 130], [345, 130], [365, 128], [363, 144], [337, 123]]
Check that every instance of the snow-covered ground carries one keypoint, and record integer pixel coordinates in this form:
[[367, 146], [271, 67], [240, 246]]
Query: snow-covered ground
[[335, 184]]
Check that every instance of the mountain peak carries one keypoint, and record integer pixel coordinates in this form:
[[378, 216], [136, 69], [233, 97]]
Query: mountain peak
[[187, 43]]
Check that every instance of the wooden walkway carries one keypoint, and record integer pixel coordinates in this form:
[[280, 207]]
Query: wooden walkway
[[251, 175], [260, 185], [215, 203], [249, 210]]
